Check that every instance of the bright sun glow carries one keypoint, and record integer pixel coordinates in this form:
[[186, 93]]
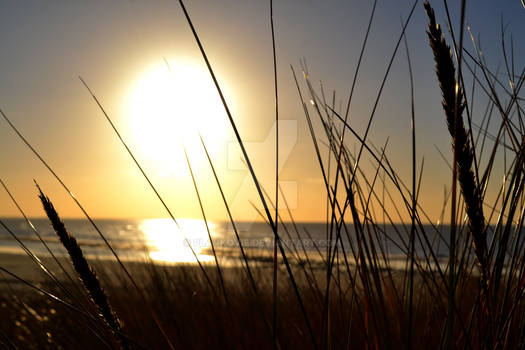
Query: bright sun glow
[[169, 107], [166, 243]]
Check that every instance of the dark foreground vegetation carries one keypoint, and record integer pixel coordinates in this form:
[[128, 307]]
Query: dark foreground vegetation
[[196, 316]]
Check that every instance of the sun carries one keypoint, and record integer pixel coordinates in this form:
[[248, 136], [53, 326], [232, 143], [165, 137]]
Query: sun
[[170, 105]]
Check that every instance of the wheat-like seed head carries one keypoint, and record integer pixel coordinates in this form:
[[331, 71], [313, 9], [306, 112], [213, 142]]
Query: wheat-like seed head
[[452, 94], [86, 274]]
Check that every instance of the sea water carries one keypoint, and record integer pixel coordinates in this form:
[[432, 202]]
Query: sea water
[[186, 240]]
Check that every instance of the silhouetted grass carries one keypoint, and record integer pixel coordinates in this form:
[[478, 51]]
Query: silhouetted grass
[[382, 282], [84, 270]]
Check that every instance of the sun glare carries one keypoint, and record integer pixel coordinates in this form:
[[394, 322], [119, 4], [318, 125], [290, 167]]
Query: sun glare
[[169, 107], [166, 243]]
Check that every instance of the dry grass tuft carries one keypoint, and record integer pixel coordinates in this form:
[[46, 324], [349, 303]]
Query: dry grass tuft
[[85, 272], [452, 95]]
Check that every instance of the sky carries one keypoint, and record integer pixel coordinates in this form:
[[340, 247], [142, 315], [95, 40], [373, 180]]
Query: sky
[[119, 48]]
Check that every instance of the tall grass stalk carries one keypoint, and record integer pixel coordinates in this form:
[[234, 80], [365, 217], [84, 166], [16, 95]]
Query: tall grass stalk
[[84, 270], [275, 257], [414, 196], [453, 105], [252, 172]]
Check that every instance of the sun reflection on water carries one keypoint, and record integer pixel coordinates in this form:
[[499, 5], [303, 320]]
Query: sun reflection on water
[[166, 242]]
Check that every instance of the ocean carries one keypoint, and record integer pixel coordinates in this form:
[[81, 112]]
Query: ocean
[[161, 240]]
